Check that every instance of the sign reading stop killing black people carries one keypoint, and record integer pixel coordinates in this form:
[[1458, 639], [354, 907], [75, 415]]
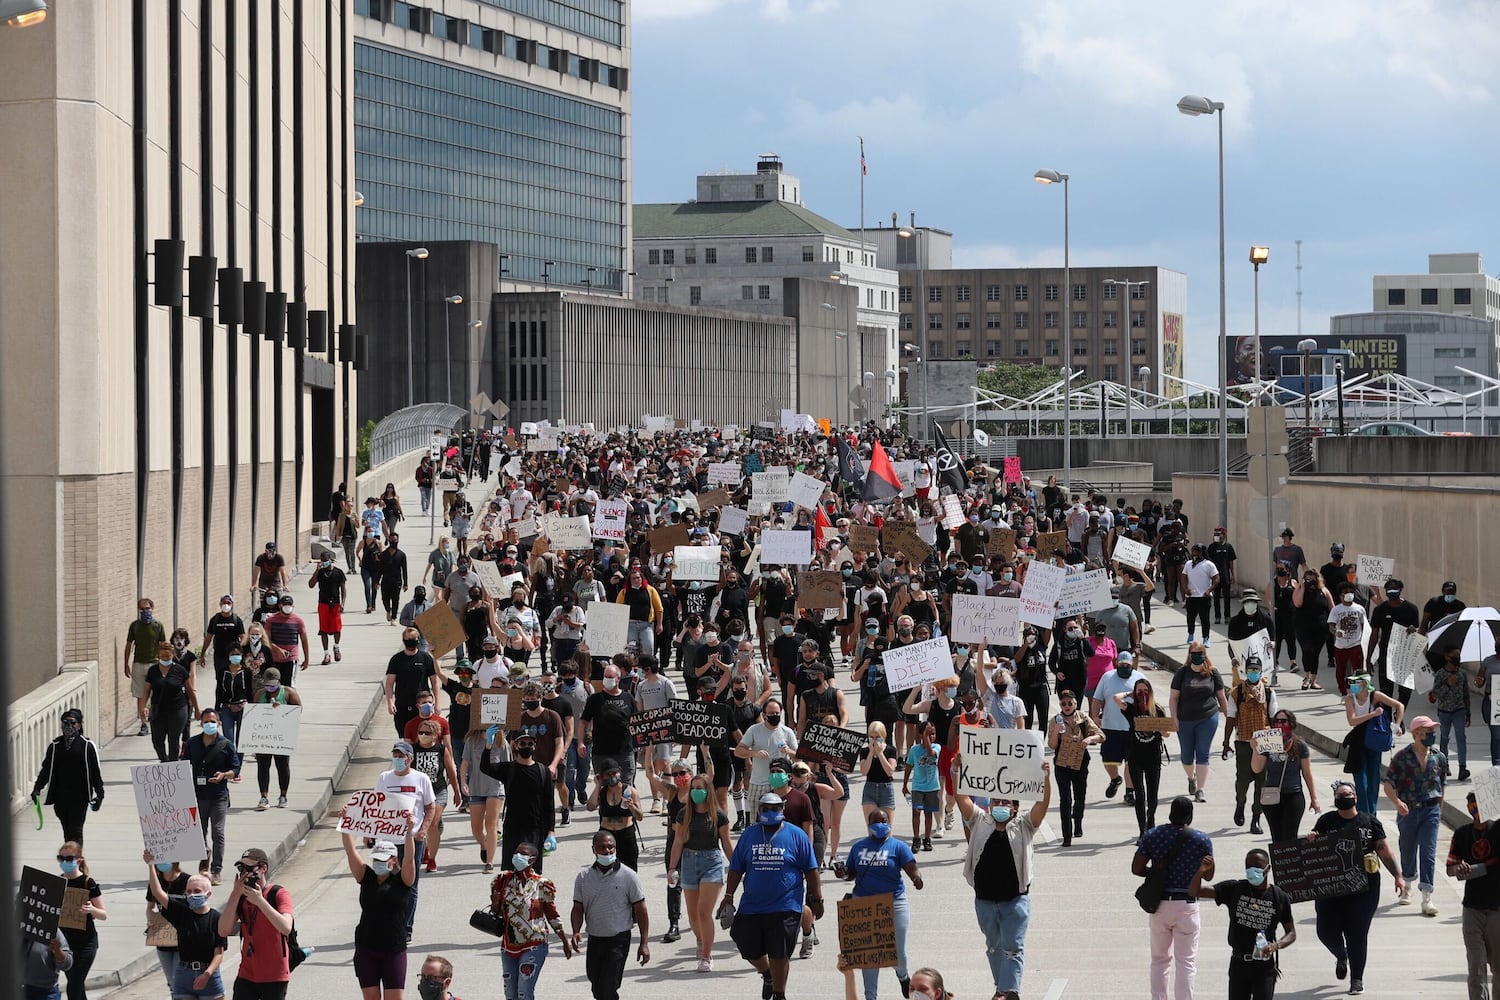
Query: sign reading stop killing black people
[[1001, 763], [695, 722]]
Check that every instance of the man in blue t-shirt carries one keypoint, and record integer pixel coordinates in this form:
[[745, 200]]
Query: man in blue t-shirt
[[775, 860]]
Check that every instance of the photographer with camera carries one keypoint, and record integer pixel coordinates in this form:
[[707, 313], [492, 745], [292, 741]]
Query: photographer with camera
[[261, 914]]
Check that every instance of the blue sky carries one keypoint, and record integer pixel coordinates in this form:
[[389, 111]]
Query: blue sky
[[1368, 129]]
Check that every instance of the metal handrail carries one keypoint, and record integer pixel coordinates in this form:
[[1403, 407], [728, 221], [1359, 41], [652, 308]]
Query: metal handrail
[[410, 428]]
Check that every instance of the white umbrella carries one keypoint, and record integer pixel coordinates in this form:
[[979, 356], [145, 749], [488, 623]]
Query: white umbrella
[[1473, 631]]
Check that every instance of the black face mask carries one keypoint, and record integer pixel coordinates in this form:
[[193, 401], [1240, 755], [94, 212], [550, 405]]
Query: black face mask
[[1342, 802], [409, 643]]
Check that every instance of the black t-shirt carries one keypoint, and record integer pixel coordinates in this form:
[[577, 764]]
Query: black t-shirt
[[382, 911], [330, 584], [430, 761], [528, 793], [460, 705], [197, 933], [168, 687], [995, 878], [1366, 827], [1436, 609], [610, 716], [942, 718], [1252, 911], [742, 715], [411, 671], [877, 773], [1478, 848], [1388, 618], [222, 631]]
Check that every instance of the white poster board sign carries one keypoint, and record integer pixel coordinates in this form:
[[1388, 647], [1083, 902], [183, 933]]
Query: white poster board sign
[[906, 472], [786, 548], [1269, 741], [769, 486], [609, 519], [1082, 593], [724, 474], [268, 729], [1040, 594], [1132, 553], [1487, 794], [569, 532], [732, 520], [696, 562], [910, 666], [381, 815], [1001, 763], [1375, 570], [607, 628], [1406, 659], [1258, 644], [167, 805], [953, 512], [986, 619], [805, 491]]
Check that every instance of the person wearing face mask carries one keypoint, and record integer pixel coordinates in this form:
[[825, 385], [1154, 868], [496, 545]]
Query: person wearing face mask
[[1286, 773], [72, 776], [273, 692], [1069, 658], [408, 671], [236, 687], [212, 758], [1255, 908], [1197, 703], [997, 866], [1441, 606], [1450, 696], [760, 743], [786, 654], [776, 862], [480, 623], [1143, 758], [200, 944], [432, 755], [1346, 628], [332, 588], [731, 771], [529, 817], [459, 583], [875, 865], [525, 904], [1343, 922], [1200, 578], [1386, 618], [435, 978], [174, 698], [142, 640], [385, 889], [83, 942], [368, 555], [1250, 706], [1414, 782], [607, 896], [395, 579], [1474, 859], [484, 796], [1185, 854], [1246, 622], [223, 630], [1374, 720], [174, 881], [606, 719], [575, 694], [1312, 603], [404, 779], [565, 626], [620, 813], [697, 846], [646, 616], [1070, 734]]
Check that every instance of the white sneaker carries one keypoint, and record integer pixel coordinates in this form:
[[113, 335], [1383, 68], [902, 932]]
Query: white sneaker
[[1404, 896], [1429, 908], [807, 947], [1150, 629]]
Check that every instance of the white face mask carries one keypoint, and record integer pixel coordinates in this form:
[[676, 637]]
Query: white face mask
[[1348, 598]]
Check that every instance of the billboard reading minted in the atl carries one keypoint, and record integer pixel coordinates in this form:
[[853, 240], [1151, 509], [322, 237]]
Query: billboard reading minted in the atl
[[1377, 355]]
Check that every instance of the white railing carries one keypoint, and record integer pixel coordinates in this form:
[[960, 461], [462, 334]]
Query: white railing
[[34, 722]]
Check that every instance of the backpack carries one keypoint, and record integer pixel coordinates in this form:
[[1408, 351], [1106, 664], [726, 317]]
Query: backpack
[[295, 956]]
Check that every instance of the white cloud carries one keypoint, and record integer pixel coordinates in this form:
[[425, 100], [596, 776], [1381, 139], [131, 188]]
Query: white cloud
[[775, 10]]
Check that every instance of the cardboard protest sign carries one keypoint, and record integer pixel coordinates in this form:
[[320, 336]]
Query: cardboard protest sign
[[805, 491], [268, 729], [569, 532], [724, 474], [1069, 753], [1002, 543], [1082, 593], [1406, 659], [986, 619], [712, 499], [40, 903], [864, 538], [953, 512], [839, 747], [732, 520], [441, 628], [697, 722], [820, 590], [651, 727], [1155, 724], [664, 539], [786, 548], [696, 562], [1040, 593], [867, 931], [1132, 553], [73, 918], [1001, 763], [606, 628], [496, 708], [1051, 542], [1487, 794], [1323, 868], [1375, 570], [911, 666], [1268, 741], [377, 814], [609, 519], [167, 804], [159, 933], [903, 538]]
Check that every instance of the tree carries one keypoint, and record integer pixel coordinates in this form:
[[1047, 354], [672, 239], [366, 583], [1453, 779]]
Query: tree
[[1017, 380]]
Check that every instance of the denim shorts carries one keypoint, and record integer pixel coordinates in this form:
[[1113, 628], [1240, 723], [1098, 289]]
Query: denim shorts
[[182, 983], [701, 866], [879, 793]]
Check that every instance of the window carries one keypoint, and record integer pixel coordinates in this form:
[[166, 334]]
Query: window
[[665, 294], [963, 293], [935, 321], [648, 293], [1395, 296], [713, 192], [1138, 348], [669, 257], [1051, 349], [1022, 293], [1111, 373], [935, 293], [1023, 320], [937, 349], [906, 321], [1080, 348], [1429, 296], [870, 298], [710, 255], [1454, 352], [690, 255], [1111, 321], [849, 256], [653, 256], [750, 255], [695, 295], [992, 293], [1138, 320], [807, 255], [1111, 292], [1049, 292], [904, 295], [1080, 320], [1080, 293], [964, 349], [1023, 349], [1138, 291], [767, 254], [1112, 348], [885, 303], [747, 292], [992, 348], [992, 321], [961, 321], [760, 191], [1463, 296], [1049, 320], [765, 292]]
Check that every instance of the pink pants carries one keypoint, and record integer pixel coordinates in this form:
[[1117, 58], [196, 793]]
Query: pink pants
[[1174, 938]]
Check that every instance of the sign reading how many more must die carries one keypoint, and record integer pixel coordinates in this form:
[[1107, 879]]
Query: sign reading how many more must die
[[1001, 763], [167, 805], [269, 729], [912, 666]]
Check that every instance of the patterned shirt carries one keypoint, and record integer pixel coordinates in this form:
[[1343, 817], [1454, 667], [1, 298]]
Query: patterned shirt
[[528, 905], [1450, 690], [1413, 783]]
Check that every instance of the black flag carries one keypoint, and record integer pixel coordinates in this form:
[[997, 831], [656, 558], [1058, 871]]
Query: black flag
[[851, 473], [950, 470]]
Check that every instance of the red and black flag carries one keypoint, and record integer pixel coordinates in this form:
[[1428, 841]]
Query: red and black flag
[[881, 483], [950, 468]]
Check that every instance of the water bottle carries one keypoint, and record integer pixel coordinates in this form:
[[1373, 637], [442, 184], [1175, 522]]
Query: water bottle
[[1260, 945], [672, 880]]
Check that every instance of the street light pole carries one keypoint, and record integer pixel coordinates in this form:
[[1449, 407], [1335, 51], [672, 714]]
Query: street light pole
[[1194, 105], [420, 253], [1258, 256], [1306, 346], [448, 304], [1045, 176], [1145, 373]]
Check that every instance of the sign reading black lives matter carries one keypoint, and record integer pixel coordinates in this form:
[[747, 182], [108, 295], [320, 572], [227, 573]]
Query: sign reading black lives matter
[[839, 747], [1322, 868], [698, 722]]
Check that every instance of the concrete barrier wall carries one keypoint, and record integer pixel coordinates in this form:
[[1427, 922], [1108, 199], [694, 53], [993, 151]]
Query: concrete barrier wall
[[1167, 456], [1357, 455], [34, 719]]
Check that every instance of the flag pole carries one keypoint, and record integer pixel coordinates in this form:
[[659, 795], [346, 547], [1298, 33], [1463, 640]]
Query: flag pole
[[861, 353]]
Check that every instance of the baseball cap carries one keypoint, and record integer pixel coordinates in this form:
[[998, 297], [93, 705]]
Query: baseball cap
[[1288, 533], [1449, 587], [1100, 628], [286, 600], [384, 851], [1420, 722], [770, 799], [254, 856], [1125, 658], [1114, 592], [401, 746], [270, 674]]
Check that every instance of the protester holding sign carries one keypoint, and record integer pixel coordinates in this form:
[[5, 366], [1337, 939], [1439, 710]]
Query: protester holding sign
[[212, 757], [1144, 753], [529, 817], [1070, 735], [80, 934], [174, 880], [876, 864], [385, 888], [1284, 775], [39, 965], [1344, 921]]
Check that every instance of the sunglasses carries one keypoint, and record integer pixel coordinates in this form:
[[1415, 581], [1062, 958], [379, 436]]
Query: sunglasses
[[67, 857]]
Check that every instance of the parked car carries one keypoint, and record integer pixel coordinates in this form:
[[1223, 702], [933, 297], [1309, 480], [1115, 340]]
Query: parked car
[[1394, 428]]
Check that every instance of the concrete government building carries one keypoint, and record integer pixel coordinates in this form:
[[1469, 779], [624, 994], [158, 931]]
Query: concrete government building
[[177, 335]]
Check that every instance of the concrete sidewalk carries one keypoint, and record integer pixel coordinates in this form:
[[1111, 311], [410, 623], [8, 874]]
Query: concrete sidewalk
[[339, 701], [1320, 714]]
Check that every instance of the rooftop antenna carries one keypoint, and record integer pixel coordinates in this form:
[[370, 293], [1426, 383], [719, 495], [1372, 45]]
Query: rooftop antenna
[[1299, 288]]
